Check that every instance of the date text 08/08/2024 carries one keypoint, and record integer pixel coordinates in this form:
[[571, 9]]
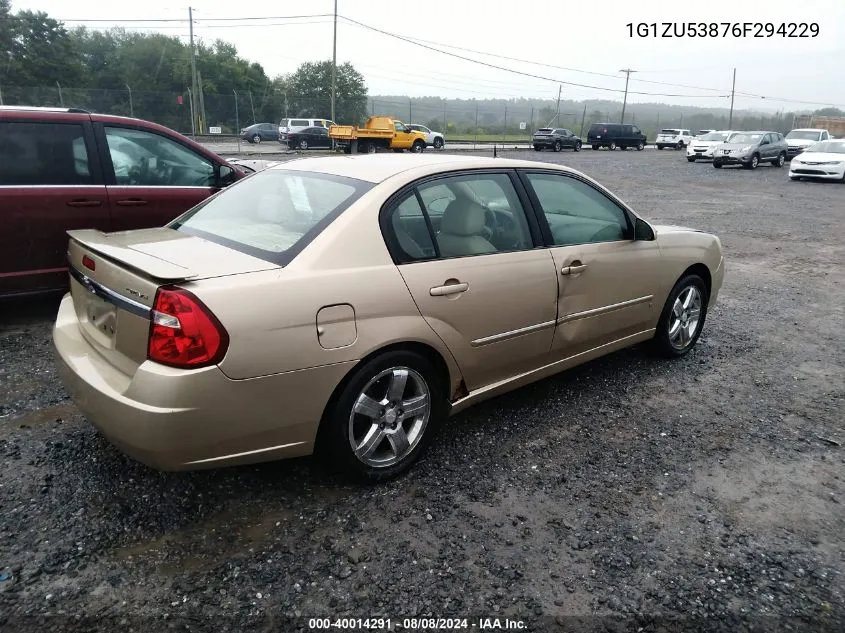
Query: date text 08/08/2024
[[723, 29], [416, 624]]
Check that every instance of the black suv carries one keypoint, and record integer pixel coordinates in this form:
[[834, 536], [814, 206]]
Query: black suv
[[556, 139], [613, 135]]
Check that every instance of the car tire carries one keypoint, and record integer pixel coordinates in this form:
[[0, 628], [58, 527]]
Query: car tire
[[438, 142], [577, 146], [680, 145], [640, 146], [660, 147], [717, 164], [365, 407], [557, 146], [537, 148], [303, 144], [417, 147], [753, 163], [796, 178], [612, 146], [682, 318], [256, 139], [779, 161], [595, 147], [690, 159]]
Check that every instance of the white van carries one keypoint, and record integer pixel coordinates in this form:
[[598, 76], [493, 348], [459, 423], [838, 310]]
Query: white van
[[288, 126]]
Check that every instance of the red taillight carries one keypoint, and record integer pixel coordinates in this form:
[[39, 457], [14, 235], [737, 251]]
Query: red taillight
[[88, 262], [183, 332]]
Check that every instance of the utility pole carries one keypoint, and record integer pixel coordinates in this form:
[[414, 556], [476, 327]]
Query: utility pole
[[476, 122], [202, 126], [733, 88], [194, 91], [627, 72], [334, 61], [583, 117], [410, 110], [131, 107], [557, 108]]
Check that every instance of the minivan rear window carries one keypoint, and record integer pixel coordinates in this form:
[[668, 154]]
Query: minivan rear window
[[300, 122], [273, 214]]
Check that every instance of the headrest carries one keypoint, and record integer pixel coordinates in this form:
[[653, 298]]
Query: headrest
[[463, 217]]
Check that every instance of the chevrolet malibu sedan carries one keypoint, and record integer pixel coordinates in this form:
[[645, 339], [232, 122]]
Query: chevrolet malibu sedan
[[347, 305]]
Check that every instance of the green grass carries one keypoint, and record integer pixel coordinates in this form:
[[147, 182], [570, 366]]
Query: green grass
[[505, 138]]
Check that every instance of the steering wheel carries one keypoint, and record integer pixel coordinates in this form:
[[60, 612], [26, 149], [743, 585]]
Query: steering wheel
[[500, 230]]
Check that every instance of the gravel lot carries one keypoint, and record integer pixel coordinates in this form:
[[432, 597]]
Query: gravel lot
[[629, 494]]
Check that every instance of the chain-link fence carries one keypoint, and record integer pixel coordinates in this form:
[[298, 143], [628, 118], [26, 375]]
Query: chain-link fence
[[506, 120]]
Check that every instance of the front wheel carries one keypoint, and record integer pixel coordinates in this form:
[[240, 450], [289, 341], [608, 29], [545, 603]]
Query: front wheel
[[384, 416], [417, 147], [303, 144], [640, 146], [595, 147], [680, 145], [682, 318], [660, 147], [780, 160], [537, 148], [612, 146], [753, 163], [577, 146], [717, 164], [256, 139], [690, 159], [438, 142]]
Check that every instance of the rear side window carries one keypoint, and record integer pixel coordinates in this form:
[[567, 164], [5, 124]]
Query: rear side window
[[300, 122], [43, 154], [273, 214]]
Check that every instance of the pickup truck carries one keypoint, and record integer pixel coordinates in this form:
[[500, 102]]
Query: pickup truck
[[379, 132]]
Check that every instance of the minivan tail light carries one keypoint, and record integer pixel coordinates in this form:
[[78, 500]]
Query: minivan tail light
[[184, 332]]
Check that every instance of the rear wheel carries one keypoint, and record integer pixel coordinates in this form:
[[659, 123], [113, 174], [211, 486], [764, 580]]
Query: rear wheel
[[438, 142], [780, 160], [384, 416], [256, 139], [557, 146], [595, 147], [612, 146], [682, 318], [680, 145], [303, 144], [537, 148], [577, 146], [660, 147], [417, 147]]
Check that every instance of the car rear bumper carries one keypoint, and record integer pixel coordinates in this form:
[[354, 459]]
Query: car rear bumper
[[175, 419]]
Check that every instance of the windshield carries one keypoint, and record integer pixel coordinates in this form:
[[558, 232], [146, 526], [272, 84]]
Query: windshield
[[715, 136], [272, 214], [828, 147], [746, 138], [670, 132], [804, 135]]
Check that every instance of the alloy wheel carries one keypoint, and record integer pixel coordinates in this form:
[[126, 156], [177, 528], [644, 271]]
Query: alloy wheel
[[685, 317]]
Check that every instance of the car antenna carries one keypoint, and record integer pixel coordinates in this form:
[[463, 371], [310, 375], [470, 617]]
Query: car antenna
[[494, 150]]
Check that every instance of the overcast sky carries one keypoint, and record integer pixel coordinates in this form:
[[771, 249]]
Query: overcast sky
[[583, 36]]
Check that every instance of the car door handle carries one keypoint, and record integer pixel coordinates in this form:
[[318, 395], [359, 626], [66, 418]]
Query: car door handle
[[574, 269], [448, 289], [84, 203], [131, 202]]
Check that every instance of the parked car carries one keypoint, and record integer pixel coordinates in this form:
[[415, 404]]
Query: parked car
[[674, 138], [702, 147], [556, 139], [64, 169], [260, 132], [288, 126], [825, 161], [749, 149], [252, 165], [800, 139], [309, 138], [613, 135], [701, 133], [348, 304], [432, 138]]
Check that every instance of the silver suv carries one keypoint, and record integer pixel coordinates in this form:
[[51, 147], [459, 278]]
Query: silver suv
[[749, 149]]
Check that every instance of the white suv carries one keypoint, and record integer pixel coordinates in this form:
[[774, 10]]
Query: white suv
[[702, 147], [673, 137], [432, 138]]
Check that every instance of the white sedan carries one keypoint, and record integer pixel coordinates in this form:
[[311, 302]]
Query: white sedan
[[825, 160], [432, 138]]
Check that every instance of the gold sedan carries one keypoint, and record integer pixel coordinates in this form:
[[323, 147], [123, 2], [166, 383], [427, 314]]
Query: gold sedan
[[347, 305]]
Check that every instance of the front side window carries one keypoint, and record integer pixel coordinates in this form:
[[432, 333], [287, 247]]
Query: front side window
[[43, 154], [576, 212], [147, 159], [272, 214]]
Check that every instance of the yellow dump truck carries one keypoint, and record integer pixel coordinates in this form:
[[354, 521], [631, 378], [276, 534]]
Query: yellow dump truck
[[379, 132]]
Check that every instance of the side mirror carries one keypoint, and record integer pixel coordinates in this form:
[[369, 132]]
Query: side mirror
[[643, 231], [224, 176]]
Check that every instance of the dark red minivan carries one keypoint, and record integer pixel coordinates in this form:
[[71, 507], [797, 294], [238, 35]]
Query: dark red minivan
[[64, 169]]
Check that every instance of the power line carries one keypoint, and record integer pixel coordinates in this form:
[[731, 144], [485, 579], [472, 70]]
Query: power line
[[131, 20], [511, 70]]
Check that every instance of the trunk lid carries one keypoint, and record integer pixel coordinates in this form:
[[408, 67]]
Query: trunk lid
[[114, 278]]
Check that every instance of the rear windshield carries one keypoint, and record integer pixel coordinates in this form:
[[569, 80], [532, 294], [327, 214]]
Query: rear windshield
[[672, 132], [544, 130], [273, 214]]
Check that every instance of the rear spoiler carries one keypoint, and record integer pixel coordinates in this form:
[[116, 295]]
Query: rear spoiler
[[154, 267]]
